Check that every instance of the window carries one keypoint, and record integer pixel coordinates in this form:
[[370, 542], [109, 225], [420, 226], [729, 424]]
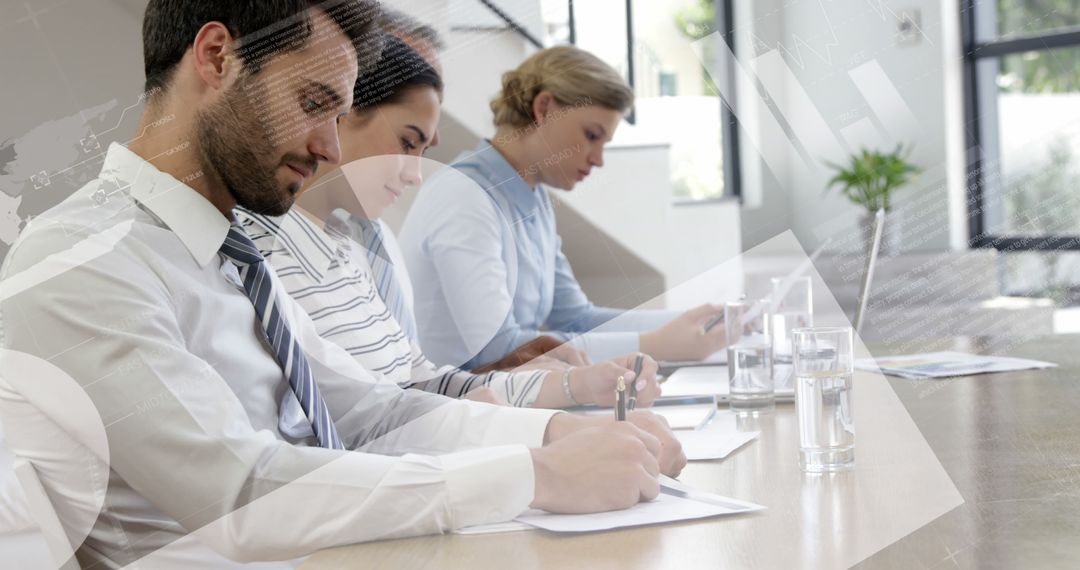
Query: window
[[1022, 86], [652, 44], [1023, 119]]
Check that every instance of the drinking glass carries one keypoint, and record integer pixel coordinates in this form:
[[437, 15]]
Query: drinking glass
[[750, 365], [824, 367]]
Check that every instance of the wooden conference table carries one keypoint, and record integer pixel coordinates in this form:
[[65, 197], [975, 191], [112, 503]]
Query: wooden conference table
[[974, 472]]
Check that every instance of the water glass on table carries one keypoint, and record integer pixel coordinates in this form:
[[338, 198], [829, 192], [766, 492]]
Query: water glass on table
[[792, 307], [824, 367], [750, 363]]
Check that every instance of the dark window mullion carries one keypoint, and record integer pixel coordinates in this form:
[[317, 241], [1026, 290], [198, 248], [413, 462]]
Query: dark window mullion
[[725, 25], [974, 51], [1029, 243], [971, 119], [1035, 42]]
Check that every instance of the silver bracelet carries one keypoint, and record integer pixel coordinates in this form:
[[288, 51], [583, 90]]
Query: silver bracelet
[[566, 386]]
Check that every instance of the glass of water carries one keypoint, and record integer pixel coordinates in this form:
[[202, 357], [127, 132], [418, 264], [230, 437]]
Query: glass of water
[[824, 366], [750, 364], [792, 308]]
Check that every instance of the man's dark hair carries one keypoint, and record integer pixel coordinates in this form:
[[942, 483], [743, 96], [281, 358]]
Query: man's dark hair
[[399, 23], [398, 69], [263, 28]]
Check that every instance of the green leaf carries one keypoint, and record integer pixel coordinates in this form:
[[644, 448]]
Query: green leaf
[[872, 177]]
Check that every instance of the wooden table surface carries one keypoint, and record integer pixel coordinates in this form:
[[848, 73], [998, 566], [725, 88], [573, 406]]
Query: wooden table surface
[[974, 472]]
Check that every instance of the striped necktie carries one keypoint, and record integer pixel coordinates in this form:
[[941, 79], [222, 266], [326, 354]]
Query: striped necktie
[[369, 234], [260, 288]]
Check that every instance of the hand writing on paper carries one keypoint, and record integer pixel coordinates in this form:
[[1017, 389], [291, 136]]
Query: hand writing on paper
[[645, 425], [596, 469]]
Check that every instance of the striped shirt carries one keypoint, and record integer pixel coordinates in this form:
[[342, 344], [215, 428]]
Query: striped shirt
[[329, 276]]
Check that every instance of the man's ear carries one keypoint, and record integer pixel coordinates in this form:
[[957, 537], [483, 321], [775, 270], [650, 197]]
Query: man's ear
[[213, 54], [542, 103]]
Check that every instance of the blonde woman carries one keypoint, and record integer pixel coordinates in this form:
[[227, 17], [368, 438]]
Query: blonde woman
[[486, 262]]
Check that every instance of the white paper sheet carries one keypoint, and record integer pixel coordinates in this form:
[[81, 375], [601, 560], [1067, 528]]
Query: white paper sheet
[[676, 502], [946, 365], [665, 508], [716, 440], [708, 380]]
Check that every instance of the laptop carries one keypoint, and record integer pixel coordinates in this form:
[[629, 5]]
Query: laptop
[[868, 272]]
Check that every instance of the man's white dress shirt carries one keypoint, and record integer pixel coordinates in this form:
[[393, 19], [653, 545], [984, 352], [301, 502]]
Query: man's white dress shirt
[[121, 289]]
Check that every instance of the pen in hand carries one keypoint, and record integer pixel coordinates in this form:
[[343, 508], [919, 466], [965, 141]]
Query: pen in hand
[[714, 321], [638, 361], [620, 400]]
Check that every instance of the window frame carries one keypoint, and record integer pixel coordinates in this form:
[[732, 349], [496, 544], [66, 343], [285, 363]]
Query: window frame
[[975, 51]]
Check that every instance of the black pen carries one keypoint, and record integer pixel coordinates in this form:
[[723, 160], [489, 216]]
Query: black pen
[[620, 400], [714, 321], [638, 361]]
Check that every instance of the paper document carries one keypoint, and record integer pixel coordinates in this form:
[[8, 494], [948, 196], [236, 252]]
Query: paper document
[[681, 412], [667, 367], [945, 365], [689, 412], [716, 440], [676, 502], [709, 380], [494, 528]]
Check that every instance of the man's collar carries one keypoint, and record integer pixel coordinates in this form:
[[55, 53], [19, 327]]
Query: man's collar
[[200, 226]]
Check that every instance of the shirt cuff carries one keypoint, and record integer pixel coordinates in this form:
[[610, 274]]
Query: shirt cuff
[[488, 485], [518, 425]]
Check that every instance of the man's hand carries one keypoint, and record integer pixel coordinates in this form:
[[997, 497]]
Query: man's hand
[[596, 469], [684, 338], [649, 427], [671, 458]]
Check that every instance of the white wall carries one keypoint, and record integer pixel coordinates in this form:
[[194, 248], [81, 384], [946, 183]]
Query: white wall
[[78, 55], [766, 209], [820, 43], [473, 65], [69, 70], [630, 200], [474, 60]]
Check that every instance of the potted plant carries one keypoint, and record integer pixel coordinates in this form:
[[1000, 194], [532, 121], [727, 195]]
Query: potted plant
[[870, 180]]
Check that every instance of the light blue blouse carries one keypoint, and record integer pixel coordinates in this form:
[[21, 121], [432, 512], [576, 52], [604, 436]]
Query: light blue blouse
[[489, 274]]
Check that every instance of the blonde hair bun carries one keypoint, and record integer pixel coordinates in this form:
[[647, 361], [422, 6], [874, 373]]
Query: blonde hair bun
[[573, 76]]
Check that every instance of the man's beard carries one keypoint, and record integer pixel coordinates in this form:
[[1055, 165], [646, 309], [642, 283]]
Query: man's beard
[[236, 145]]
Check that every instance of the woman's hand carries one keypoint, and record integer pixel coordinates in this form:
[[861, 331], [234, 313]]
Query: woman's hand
[[685, 338], [596, 384]]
